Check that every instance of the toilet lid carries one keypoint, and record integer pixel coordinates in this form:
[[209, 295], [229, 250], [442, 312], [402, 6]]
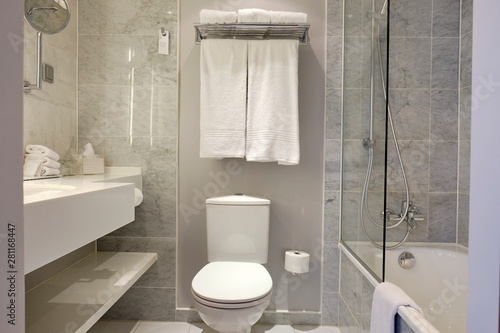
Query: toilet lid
[[232, 282]]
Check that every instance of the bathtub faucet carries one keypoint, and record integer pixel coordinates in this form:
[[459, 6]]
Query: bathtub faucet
[[412, 216]]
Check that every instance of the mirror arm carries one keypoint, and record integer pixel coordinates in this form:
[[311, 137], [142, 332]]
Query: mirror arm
[[27, 85]]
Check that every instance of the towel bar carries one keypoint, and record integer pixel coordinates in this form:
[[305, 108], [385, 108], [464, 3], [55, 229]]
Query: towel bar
[[253, 31]]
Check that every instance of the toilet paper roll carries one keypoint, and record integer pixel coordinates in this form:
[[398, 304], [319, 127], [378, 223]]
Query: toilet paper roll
[[138, 197], [297, 262]]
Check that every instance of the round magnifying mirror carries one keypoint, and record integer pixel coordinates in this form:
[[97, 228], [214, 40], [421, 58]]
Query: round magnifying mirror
[[47, 16]]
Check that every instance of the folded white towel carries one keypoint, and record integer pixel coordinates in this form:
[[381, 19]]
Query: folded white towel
[[217, 16], [42, 150], [46, 171], [288, 17], [32, 166], [254, 15], [223, 76], [273, 112], [46, 161], [387, 298]]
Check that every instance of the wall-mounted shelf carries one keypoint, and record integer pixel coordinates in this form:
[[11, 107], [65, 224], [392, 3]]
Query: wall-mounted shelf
[[76, 298], [253, 31]]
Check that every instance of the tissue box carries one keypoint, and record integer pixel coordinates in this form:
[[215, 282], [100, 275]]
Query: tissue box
[[93, 166]]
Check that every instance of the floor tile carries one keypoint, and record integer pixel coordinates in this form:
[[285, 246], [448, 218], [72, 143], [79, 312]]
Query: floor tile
[[315, 329], [162, 327], [104, 326], [272, 329]]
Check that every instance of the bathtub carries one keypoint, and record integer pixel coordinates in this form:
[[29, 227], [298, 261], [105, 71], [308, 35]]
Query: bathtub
[[437, 282]]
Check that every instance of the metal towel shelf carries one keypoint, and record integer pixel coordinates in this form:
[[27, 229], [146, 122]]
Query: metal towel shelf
[[253, 31]]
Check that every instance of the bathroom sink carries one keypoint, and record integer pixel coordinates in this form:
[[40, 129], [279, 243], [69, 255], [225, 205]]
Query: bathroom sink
[[64, 214], [45, 189]]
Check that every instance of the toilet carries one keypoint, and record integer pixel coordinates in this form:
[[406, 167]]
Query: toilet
[[232, 291]]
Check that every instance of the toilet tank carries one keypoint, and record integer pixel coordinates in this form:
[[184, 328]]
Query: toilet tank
[[238, 228]]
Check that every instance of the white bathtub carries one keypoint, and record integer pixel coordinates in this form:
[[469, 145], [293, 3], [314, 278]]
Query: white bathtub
[[437, 282]]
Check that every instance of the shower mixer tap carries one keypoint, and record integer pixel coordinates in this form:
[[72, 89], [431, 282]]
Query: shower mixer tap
[[412, 216]]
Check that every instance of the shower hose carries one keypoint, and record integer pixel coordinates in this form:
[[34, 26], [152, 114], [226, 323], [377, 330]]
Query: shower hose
[[364, 196]]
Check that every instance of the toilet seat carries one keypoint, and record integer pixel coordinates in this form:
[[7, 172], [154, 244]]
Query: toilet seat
[[232, 284]]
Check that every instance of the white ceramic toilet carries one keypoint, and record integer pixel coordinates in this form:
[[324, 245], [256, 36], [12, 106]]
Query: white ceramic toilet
[[233, 289]]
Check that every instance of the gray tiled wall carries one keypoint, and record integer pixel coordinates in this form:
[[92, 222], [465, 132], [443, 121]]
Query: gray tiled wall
[[128, 111], [429, 80], [330, 296], [424, 95]]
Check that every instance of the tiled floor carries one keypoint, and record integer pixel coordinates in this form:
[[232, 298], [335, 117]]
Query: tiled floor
[[178, 327]]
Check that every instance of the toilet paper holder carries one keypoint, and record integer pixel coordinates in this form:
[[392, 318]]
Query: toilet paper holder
[[297, 262]]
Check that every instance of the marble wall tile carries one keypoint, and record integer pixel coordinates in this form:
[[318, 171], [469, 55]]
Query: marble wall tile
[[138, 303], [465, 112], [350, 216], [332, 164], [105, 110], [410, 113], [364, 317], [444, 115], [155, 155], [443, 166], [410, 62], [347, 323], [332, 216], [331, 266], [354, 118], [334, 64], [162, 273], [463, 219], [333, 114], [335, 18], [350, 285], [466, 61], [352, 158], [353, 21], [446, 18], [357, 61], [415, 155], [411, 18], [466, 12], [154, 217], [126, 17], [445, 58], [124, 60], [330, 309], [464, 167], [443, 217]]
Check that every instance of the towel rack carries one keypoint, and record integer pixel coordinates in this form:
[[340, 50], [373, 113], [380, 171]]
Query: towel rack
[[253, 31]]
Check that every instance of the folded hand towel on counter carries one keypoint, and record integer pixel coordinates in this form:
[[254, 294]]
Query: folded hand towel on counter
[[223, 76], [254, 15], [387, 298], [273, 113], [46, 161], [217, 16], [32, 166], [46, 171], [288, 17], [42, 150]]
